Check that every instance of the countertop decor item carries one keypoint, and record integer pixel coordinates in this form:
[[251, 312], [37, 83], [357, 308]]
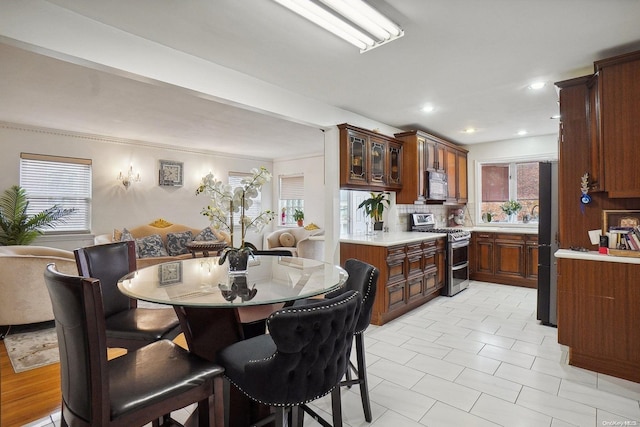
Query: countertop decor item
[[511, 209], [227, 201], [374, 207]]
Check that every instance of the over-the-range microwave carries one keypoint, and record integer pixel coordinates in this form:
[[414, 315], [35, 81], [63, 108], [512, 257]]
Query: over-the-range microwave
[[437, 188]]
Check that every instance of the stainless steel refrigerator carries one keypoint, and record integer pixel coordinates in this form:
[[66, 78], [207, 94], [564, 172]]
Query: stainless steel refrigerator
[[548, 243]]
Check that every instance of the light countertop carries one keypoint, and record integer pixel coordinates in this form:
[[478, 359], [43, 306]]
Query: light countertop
[[594, 256], [498, 229], [390, 238]]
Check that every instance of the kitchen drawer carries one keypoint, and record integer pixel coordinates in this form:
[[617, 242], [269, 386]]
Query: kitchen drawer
[[395, 295], [414, 288]]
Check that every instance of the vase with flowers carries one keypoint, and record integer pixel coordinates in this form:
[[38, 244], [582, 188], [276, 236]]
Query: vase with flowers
[[228, 203], [511, 209]]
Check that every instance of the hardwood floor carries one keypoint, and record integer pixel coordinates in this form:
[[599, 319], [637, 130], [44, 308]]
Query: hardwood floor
[[29, 395]]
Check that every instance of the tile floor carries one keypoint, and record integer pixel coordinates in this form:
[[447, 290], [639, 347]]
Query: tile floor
[[479, 358]]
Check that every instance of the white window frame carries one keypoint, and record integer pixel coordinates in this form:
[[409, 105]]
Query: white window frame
[[63, 181], [290, 197]]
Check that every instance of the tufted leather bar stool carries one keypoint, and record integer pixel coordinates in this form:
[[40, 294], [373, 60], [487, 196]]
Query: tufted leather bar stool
[[303, 358], [127, 325], [363, 278], [131, 390]]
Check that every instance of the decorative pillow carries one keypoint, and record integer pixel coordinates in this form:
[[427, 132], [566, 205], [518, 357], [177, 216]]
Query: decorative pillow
[[150, 246], [287, 240], [177, 242], [126, 235], [206, 234]]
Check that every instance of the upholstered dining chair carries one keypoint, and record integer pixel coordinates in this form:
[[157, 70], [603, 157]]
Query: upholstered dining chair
[[142, 386], [303, 358], [363, 277], [128, 326]]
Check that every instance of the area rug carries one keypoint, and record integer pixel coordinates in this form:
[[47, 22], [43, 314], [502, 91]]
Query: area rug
[[30, 350]]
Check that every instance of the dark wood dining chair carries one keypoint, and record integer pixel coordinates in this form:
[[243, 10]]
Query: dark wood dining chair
[[128, 326], [303, 358], [143, 386]]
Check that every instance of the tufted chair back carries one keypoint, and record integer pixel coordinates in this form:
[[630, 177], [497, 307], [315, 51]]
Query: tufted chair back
[[363, 278], [303, 358], [109, 262]]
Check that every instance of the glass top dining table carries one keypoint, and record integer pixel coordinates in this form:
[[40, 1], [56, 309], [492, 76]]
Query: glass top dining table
[[202, 282], [212, 304]]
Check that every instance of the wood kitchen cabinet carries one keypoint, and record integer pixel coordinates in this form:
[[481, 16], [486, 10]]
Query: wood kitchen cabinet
[[507, 258], [598, 316], [423, 153], [368, 160], [410, 274], [618, 87]]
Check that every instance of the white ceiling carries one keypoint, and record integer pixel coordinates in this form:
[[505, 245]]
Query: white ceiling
[[471, 59]]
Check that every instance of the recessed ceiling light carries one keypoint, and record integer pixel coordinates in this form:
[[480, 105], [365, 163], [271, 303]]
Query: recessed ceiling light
[[556, 116], [536, 85], [469, 130], [428, 109], [522, 132]]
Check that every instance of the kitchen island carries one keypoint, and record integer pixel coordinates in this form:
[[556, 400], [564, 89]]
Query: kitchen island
[[412, 268], [599, 312]]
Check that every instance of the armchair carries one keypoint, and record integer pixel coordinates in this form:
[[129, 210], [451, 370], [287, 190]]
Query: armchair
[[297, 241]]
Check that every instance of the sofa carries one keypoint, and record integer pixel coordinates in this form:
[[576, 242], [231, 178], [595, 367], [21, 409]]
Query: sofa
[[161, 241], [23, 294], [298, 241]]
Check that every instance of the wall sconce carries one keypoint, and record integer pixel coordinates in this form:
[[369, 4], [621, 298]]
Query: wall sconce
[[129, 178]]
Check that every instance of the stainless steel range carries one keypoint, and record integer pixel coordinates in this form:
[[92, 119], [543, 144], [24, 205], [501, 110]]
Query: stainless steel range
[[457, 253]]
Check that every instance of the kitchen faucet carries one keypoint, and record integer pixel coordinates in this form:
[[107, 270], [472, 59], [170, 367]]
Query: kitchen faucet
[[533, 209]]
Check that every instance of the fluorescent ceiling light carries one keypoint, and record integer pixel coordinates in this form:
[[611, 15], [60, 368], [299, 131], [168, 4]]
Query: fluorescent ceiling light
[[352, 20]]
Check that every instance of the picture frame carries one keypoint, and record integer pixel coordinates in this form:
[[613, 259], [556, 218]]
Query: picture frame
[[619, 218], [170, 273], [171, 174]]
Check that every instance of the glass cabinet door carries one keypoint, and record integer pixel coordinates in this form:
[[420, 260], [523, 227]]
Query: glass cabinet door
[[395, 159], [357, 159], [378, 159]]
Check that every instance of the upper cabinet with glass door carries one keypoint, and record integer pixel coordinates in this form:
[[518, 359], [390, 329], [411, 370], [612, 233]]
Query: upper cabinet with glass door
[[369, 160]]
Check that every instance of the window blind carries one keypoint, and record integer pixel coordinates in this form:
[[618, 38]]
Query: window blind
[[62, 181], [292, 187]]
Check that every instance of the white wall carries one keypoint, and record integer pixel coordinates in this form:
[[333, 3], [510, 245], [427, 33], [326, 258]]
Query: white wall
[[313, 170], [534, 148], [113, 206]]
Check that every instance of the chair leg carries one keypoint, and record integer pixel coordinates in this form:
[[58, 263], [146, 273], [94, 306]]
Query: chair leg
[[204, 414], [336, 407], [226, 391], [219, 413], [362, 377], [281, 416]]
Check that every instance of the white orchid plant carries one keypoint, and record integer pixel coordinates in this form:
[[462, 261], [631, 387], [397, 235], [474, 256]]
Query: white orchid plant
[[227, 201]]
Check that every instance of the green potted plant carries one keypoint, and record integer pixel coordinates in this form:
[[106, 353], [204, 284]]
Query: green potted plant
[[374, 207], [298, 215], [511, 209], [19, 228]]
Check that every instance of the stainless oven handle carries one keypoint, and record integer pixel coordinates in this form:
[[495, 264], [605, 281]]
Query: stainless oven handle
[[460, 244], [460, 266]]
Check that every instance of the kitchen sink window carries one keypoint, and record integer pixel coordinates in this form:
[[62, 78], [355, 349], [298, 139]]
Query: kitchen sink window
[[504, 184]]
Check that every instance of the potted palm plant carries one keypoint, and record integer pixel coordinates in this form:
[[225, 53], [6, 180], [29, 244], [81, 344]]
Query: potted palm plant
[[374, 208], [298, 215], [17, 227]]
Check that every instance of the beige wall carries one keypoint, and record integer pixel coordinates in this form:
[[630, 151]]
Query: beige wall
[[113, 206]]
